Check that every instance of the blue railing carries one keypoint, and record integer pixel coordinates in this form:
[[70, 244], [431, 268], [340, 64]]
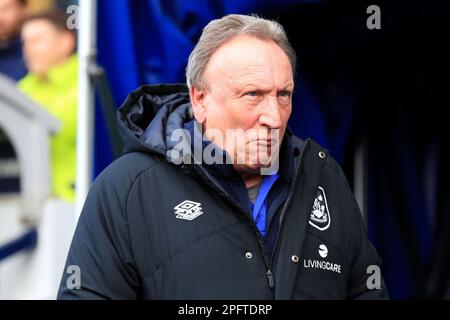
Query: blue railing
[[25, 242]]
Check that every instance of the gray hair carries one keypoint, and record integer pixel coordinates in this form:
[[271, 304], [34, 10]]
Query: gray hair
[[219, 31]]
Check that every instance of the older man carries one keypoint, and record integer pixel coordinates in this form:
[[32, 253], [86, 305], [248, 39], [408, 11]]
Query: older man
[[215, 198]]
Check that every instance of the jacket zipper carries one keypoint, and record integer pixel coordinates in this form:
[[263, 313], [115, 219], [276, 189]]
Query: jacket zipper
[[270, 279], [269, 273], [288, 200]]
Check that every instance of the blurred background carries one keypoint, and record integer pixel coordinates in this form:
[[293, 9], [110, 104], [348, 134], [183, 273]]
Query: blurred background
[[375, 97]]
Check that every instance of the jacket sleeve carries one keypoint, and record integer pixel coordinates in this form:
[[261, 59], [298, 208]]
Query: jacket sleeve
[[100, 264], [365, 280]]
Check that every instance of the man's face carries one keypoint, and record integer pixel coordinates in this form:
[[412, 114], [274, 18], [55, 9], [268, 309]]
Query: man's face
[[12, 13], [44, 45], [249, 85]]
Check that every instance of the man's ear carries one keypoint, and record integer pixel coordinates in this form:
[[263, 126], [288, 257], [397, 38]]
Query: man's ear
[[197, 101]]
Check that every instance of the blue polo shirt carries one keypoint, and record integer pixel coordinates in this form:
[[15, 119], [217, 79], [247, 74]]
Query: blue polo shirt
[[259, 208]]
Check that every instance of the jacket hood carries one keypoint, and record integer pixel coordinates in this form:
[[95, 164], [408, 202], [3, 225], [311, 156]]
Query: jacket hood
[[150, 114]]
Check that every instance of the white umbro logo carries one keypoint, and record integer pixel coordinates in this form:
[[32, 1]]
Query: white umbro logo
[[323, 251], [188, 210]]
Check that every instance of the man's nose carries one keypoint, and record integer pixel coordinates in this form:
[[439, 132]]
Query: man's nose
[[271, 116]]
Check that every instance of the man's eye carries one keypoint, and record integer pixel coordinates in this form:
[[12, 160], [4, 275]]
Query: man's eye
[[252, 93], [284, 93]]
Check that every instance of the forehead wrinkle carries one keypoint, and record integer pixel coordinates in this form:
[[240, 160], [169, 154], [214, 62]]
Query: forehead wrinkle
[[239, 63]]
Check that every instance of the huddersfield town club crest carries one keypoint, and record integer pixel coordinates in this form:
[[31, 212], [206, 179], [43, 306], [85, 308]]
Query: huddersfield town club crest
[[320, 215]]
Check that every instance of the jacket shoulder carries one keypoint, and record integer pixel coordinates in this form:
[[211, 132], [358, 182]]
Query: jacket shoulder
[[330, 164], [121, 173]]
